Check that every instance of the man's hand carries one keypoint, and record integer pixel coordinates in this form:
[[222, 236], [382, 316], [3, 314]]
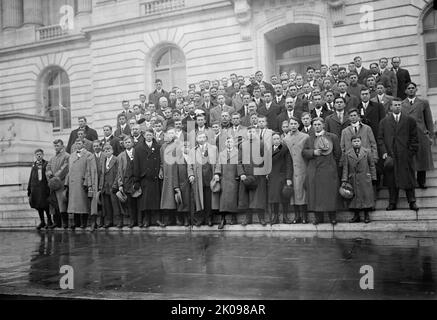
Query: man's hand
[[384, 156], [191, 179], [289, 182], [243, 177], [317, 152], [160, 174], [216, 177], [120, 189]]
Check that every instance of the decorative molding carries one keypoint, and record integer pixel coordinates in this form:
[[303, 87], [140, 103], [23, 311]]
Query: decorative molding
[[337, 10], [243, 13]]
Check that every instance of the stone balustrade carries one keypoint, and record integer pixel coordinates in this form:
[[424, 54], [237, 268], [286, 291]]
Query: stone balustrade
[[50, 32], [160, 6]]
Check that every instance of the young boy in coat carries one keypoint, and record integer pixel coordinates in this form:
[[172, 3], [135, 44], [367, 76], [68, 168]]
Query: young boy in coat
[[359, 170]]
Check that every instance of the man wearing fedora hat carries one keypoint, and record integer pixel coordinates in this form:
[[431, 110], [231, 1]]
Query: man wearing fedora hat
[[57, 167], [252, 195], [397, 140]]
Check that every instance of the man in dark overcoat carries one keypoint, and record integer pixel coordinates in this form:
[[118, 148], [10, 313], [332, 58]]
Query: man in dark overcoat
[[398, 143]]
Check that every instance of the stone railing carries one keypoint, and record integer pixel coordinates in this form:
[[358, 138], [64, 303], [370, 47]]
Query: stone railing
[[160, 6], [50, 32]]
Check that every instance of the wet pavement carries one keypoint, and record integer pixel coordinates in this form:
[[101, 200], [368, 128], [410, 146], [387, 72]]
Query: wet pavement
[[212, 265]]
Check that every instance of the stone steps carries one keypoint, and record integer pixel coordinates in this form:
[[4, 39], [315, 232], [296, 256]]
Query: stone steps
[[375, 226]]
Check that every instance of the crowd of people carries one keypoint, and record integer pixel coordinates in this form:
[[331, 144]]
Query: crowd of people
[[322, 142]]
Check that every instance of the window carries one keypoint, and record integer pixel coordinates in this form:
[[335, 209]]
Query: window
[[430, 40], [56, 98], [169, 66]]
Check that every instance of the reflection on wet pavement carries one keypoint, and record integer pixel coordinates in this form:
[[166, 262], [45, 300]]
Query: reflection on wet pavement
[[234, 265]]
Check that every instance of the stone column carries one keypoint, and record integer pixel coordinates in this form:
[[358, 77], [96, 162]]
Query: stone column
[[84, 6], [12, 11], [32, 12]]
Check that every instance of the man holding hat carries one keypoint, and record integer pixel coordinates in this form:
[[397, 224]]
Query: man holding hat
[[57, 169], [398, 142]]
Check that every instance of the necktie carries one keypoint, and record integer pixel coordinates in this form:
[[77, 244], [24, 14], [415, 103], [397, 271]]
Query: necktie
[[340, 116], [411, 102], [261, 134], [356, 130]]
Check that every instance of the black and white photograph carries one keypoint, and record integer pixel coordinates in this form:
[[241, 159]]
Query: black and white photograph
[[241, 152]]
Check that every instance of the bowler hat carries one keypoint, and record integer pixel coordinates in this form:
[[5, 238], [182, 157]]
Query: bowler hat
[[55, 184], [287, 192], [250, 182], [121, 196], [215, 186]]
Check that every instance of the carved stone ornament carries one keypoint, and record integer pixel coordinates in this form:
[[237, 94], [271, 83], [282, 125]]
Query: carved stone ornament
[[243, 14], [336, 7]]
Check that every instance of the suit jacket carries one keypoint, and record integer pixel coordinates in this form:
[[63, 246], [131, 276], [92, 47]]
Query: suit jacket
[[310, 132], [122, 181], [364, 73], [237, 101], [324, 112], [271, 114], [301, 105], [216, 112], [139, 139], [108, 180], [115, 143], [90, 134], [241, 111], [98, 161], [372, 116], [238, 135], [355, 90], [281, 102], [390, 82], [119, 132], [351, 101], [160, 138], [155, 95], [260, 104], [403, 77], [333, 124], [284, 116], [386, 102]]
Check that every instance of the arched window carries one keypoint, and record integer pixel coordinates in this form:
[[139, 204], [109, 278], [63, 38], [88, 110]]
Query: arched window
[[169, 66], [56, 98], [430, 40]]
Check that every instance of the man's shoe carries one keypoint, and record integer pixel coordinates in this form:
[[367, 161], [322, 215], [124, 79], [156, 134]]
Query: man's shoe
[[413, 206], [161, 224], [40, 226], [355, 219], [133, 225], [366, 217], [263, 222], [391, 207], [244, 223], [297, 220], [109, 225], [222, 224], [210, 224], [315, 222], [333, 222], [233, 219]]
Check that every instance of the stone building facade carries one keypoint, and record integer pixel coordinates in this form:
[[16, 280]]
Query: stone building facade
[[66, 58]]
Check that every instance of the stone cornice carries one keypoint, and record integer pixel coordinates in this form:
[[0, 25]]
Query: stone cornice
[[44, 44], [143, 19], [26, 116]]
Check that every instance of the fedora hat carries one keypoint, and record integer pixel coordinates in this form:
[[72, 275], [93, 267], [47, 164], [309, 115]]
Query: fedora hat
[[121, 196], [137, 193], [346, 190], [250, 183], [287, 192], [215, 186], [55, 183], [324, 144]]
